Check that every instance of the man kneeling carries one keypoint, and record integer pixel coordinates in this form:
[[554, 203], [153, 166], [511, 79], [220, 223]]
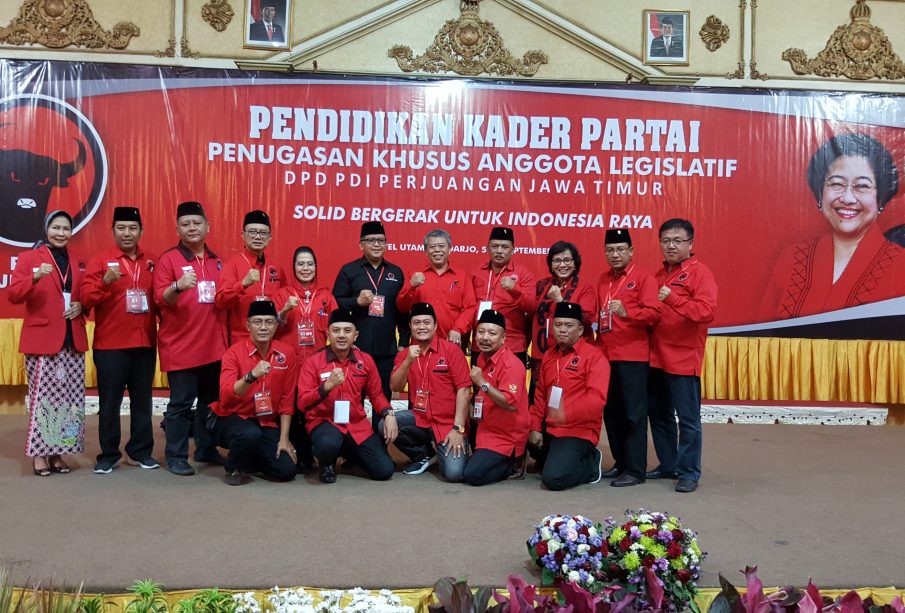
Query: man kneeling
[[332, 386], [569, 397], [257, 383]]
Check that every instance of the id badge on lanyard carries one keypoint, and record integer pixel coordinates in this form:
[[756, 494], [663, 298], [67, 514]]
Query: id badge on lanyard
[[67, 301], [377, 306], [306, 333], [483, 306], [477, 412], [421, 399], [605, 324], [206, 290], [341, 411], [263, 404], [136, 301]]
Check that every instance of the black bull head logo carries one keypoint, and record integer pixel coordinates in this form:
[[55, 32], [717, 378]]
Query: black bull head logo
[[26, 182]]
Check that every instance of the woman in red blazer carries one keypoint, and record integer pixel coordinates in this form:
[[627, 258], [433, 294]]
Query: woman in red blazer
[[47, 280]]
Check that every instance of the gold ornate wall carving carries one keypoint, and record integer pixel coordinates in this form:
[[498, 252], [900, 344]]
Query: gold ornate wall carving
[[218, 13], [57, 24], [859, 50], [714, 33], [468, 46]]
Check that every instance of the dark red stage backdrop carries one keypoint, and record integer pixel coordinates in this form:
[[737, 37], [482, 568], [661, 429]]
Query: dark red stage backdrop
[[553, 162]]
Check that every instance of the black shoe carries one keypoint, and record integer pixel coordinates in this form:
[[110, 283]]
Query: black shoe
[[519, 467], [327, 474], [181, 468], [236, 477], [598, 472], [148, 463], [658, 473], [626, 480], [686, 486], [104, 467], [611, 473], [211, 458]]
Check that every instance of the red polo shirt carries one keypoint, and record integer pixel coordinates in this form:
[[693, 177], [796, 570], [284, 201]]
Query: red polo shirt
[[441, 371], [677, 341], [238, 361], [191, 333], [361, 379], [583, 374], [451, 294], [517, 306], [629, 337], [115, 327], [235, 299], [315, 307], [500, 430]]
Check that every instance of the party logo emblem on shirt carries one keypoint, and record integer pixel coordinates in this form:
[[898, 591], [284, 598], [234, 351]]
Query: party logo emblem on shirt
[[513, 388], [630, 285], [441, 361], [391, 277], [273, 273], [683, 276]]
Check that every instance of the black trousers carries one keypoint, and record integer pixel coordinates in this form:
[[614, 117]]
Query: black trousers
[[330, 443], [625, 416], [252, 448], [117, 370], [570, 461], [301, 440], [384, 369], [485, 467], [201, 382]]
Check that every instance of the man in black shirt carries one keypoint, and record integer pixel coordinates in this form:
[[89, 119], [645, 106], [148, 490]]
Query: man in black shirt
[[369, 286]]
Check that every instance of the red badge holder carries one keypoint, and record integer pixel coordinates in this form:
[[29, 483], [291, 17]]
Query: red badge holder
[[420, 401], [306, 333], [263, 405], [377, 306], [136, 301]]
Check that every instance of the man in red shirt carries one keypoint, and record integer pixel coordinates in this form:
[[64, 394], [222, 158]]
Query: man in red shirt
[[500, 405], [257, 396], [508, 288], [568, 400], [191, 339], [439, 389], [628, 307], [118, 288], [449, 291], [332, 386], [247, 276], [688, 293]]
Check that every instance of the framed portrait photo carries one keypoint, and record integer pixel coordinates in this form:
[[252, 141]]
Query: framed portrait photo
[[665, 37], [268, 24]]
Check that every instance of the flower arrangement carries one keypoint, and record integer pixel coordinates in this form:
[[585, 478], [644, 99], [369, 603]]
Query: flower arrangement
[[569, 550], [297, 600], [655, 541]]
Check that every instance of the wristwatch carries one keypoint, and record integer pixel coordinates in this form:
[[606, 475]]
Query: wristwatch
[[175, 286], [250, 378], [390, 412], [485, 387], [459, 429]]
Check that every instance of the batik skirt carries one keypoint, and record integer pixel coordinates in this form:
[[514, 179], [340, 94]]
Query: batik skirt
[[56, 400]]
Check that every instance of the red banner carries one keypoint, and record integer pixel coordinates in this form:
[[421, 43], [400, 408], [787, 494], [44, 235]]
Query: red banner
[[552, 162]]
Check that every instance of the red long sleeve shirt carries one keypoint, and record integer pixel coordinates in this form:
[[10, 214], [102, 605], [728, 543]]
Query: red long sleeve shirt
[[500, 430], [451, 294], [280, 382], [517, 305], [361, 379], [678, 339], [235, 298], [317, 308], [541, 324], [583, 374], [628, 339], [115, 327]]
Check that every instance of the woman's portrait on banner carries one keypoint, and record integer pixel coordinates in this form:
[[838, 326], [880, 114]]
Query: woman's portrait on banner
[[267, 24]]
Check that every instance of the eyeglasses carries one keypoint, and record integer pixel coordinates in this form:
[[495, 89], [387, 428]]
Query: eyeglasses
[[263, 323], [562, 261], [257, 233], [839, 187], [678, 242], [615, 250], [374, 241]]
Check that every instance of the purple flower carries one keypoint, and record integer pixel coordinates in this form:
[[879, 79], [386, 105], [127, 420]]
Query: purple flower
[[635, 533], [665, 536]]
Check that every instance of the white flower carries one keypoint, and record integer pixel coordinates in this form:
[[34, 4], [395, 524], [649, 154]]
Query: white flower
[[546, 534], [573, 576], [565, 568], [592, 531], [571, 535], [584, 548], [553, 546]]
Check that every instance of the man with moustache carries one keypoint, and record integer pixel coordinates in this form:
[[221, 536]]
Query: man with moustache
[[118, 287], [247, 276], [332, 387], [688, 295], [439, 387], [449, 290], [508, 288], [257, 401], [569, 399], [500, 404], [191, 338], [628, 308], [369, 287]]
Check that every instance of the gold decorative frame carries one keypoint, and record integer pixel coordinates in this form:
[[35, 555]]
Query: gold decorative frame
[[283, 20], [218, 13], [859, 50], [649, 34], [468, 46], [57, 24], [714, 33]]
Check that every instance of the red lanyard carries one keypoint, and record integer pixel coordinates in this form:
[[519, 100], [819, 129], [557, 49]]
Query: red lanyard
[[609, 292], [263, 276], [309, 301], [133, 274], [421, 373], [379, 278], [63, 278], [345, 375], [491, 283], [201, 264]]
